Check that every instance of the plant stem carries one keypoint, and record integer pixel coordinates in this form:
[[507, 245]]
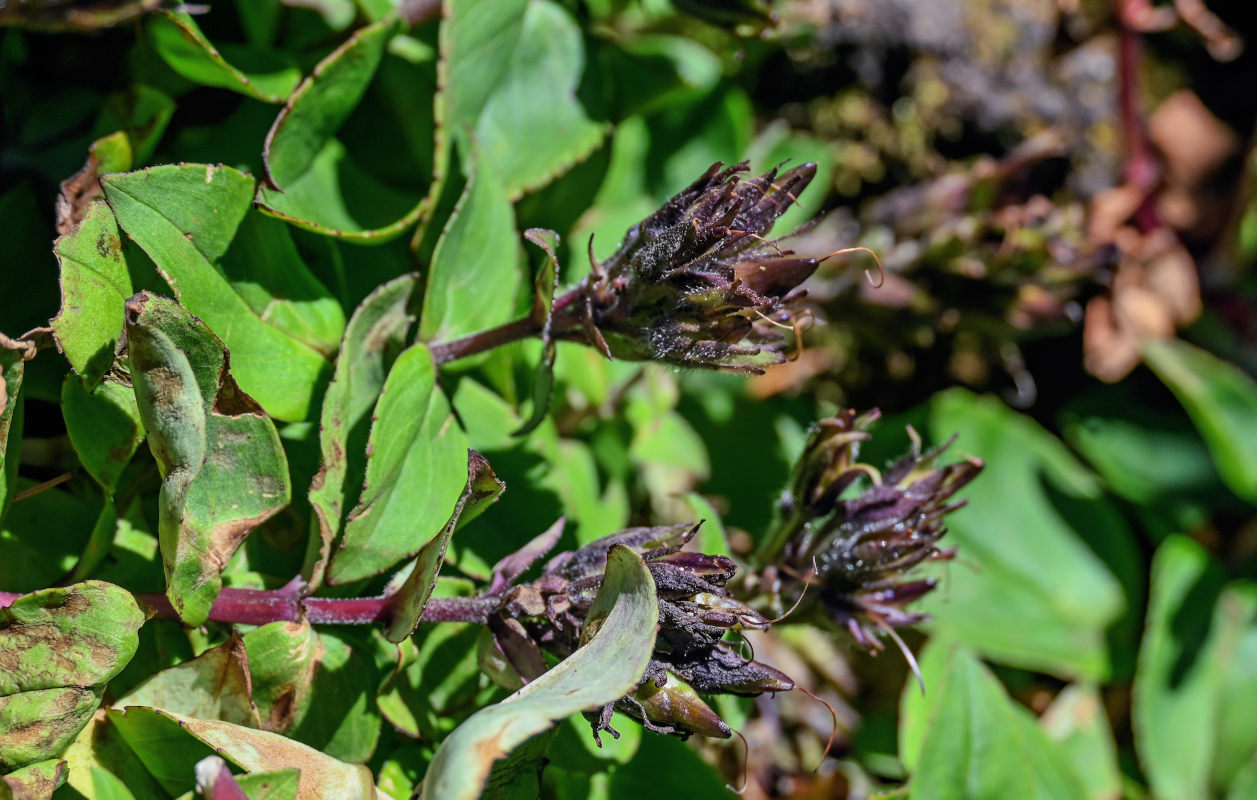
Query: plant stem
[[444, 352], [258, 607], [1141, 168]]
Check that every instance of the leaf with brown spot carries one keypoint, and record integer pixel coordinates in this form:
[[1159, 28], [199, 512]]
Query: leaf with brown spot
[[214, 685], [165, 740], [223, 468], [37, 781], [315, 688], [95, 284], [58, 649]]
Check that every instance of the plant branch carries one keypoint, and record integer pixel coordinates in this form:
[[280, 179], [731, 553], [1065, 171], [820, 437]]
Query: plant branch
[[444, 352], [258, 607]]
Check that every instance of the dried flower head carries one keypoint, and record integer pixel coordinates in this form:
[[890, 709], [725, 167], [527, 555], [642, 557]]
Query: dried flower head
[[690, 655], [858, 532], [697, 284]]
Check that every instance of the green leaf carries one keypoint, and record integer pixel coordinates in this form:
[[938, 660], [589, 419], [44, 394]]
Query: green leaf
[[277, 785], [323, 101], [11, 370], [375, 335], [545, 285], [535, 102], [478, 40], [58, 649], [1077, 723], [438, 686], [37, 781], [104, 768], [1192, 640], [1236, 617], [101, 540], [1222, 402], [94, 285], [265, 76], [223, 468], [42, 537], [214, 685], [981, 746], [105, 786], [1042, 594], [104, 426], [411, 598], [278, 320], [619, 633], [336, 197], [292, 667], [170, 745], [416, 470], [475, 277]]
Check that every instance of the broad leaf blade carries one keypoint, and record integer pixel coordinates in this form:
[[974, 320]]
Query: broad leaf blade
[[214, 685], [474, 277], [980, 745], [1178, 680], [179, 41], [1221, 400], [104, 426], [165, 742], [416, 470], [411, 598], [375, 335], [11, 370], [536, 102], [59, 647], [223, 468], [622, 620], [94, 285], [185, 217], [1042, 598], [323, 101]]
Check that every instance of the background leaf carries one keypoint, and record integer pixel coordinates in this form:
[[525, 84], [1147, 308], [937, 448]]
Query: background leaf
[[264, 75], [1221, 400]]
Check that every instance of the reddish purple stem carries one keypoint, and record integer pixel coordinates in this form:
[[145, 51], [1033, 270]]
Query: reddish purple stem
[[258, 607]]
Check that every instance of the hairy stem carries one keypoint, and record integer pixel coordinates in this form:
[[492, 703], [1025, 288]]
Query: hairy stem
[[258, 607]]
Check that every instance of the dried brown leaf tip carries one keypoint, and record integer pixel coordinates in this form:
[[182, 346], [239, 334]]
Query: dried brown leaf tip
[[697, 283], [546, 617], [857, 532]]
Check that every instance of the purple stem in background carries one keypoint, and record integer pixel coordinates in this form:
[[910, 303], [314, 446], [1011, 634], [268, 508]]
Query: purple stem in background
[[258, 607], [1141, 169]]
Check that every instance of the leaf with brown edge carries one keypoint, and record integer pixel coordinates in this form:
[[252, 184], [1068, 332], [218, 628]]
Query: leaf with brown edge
[[483, 487], [36, 781], [214, 685], [223, 468], [546, 284], [58, 649], [376, 333], [12, 368], [165, 740]]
